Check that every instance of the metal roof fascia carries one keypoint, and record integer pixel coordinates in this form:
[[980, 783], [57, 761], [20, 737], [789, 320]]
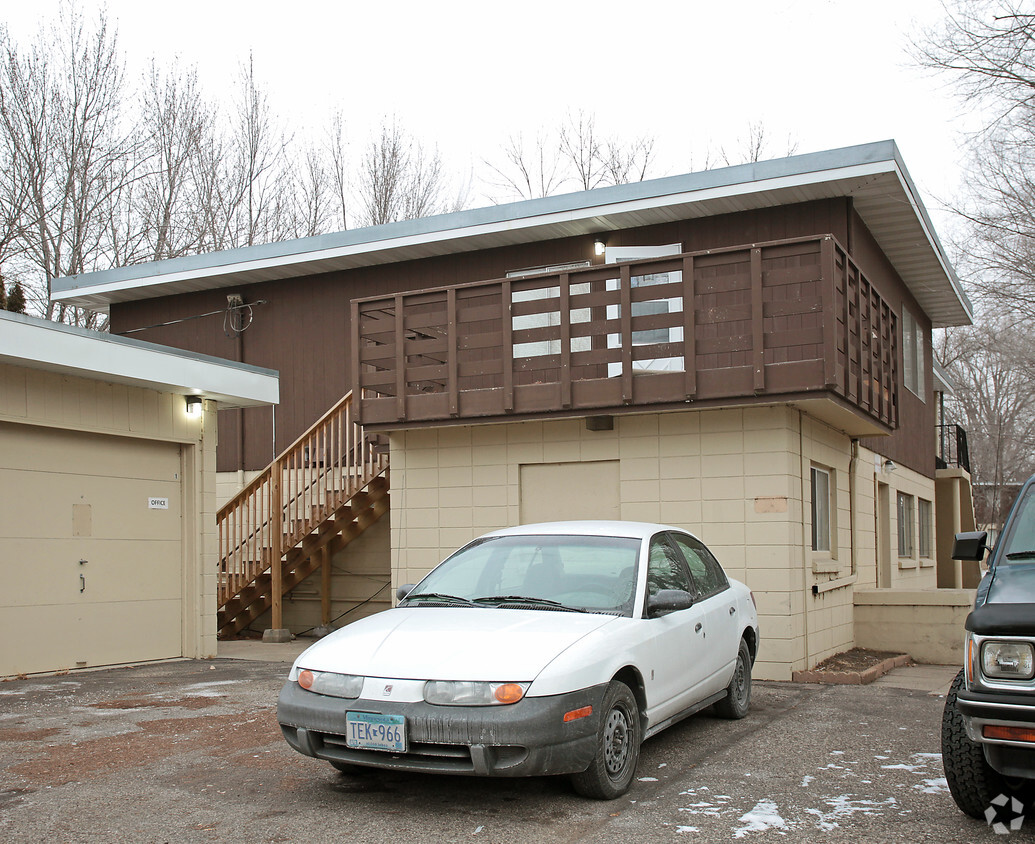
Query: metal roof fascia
[[42, 344], [583, 212]]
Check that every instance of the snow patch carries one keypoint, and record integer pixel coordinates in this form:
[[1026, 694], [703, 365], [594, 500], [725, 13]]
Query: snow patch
[[843, 806], [762, 817]]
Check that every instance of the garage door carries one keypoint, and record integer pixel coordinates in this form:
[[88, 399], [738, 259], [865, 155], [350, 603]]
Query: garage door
[[92, 550]]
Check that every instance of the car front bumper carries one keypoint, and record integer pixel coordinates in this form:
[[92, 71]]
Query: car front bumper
[[528, 738], [1003, 709]]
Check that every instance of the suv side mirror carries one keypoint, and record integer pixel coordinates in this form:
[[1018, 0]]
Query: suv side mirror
[[403, 591], [665, 601], [972, 545]]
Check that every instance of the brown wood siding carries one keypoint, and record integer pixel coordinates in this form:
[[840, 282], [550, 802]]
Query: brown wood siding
[[912, 444], [303, 330]]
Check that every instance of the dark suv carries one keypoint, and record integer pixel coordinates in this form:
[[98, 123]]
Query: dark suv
[[988, 727]]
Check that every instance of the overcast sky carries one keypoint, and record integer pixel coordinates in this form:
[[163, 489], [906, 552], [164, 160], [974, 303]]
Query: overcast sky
[[466, 75]]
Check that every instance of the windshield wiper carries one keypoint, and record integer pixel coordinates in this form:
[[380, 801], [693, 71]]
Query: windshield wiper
[[438, 596], [525, 599], [1021, 555]]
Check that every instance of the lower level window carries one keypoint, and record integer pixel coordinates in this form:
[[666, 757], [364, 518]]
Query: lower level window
[[906, 525], [820, 509]]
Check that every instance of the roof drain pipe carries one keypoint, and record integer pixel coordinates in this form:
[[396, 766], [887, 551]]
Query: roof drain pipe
[[805, 546], [852, 505]]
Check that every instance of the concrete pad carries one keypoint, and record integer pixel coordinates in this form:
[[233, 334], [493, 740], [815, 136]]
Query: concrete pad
[[933, 679], [262, 651]]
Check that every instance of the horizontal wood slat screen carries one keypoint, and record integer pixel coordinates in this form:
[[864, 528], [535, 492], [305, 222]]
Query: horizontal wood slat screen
[[761, 320]]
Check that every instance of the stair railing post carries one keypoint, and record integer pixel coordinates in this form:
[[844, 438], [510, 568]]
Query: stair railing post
[[277, 633]]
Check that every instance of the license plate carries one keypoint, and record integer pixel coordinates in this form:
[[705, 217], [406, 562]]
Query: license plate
[[373, 731]]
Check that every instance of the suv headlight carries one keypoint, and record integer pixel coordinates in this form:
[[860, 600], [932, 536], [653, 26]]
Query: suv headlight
[[465, 693], [1008, 660]]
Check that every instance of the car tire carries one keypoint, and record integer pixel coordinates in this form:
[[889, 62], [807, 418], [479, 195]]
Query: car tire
[[618, 747], [973, 783], [738, 693]]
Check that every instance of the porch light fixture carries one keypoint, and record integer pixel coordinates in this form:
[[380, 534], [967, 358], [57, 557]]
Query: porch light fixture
[[889, 466], [193, 405], [599, 245]]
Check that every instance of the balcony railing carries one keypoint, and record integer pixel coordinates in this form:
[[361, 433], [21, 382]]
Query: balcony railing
[[786, 319], [952, 447]]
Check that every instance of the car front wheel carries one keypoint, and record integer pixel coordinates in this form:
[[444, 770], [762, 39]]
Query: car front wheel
[[618, 747]]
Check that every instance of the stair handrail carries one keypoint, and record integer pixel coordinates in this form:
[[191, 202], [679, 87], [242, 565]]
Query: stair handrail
[[308, 481]]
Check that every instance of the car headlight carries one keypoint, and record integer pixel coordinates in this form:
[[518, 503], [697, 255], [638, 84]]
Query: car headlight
[[465, 693], [328, 683], [1008, 660]]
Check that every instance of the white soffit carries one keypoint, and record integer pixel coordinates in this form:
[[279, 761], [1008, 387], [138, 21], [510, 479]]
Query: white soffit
[[53, 347], [871, 174]]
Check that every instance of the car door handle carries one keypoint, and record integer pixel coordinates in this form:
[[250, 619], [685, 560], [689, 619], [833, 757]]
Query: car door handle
[[697, 628], [733, 610]]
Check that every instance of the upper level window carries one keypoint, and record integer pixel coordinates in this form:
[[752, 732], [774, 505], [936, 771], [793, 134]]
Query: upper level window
[[913, 354]]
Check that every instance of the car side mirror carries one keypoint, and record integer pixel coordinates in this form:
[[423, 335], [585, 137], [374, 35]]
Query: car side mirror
[[665, 601], [403, 591], [972, 545]]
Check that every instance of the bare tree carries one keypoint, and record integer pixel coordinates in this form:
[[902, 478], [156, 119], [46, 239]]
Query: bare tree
[[577, 156], [756, 146], [401, 179], [987, 47], [992, 366], [60, 121]]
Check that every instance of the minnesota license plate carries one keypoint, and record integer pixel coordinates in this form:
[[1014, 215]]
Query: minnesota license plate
[[373, 731]]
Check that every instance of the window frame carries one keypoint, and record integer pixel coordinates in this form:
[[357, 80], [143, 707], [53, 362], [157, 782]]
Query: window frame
[[925, 528], [913, 357], [816, 472], [906, 516]]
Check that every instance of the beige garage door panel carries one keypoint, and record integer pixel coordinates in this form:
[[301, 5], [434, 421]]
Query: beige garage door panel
[[85, 497], [50, 505], [52, 638], [154, 574], [552, 492], [93, 454]]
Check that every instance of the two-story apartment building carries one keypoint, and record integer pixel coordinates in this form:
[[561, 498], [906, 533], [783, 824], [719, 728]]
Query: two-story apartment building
[[744, 352]]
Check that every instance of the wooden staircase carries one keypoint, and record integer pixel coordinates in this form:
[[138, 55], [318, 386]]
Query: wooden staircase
[[322, 492]]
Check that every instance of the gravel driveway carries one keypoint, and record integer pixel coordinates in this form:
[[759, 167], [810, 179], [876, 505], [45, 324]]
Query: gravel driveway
[[190, 751]]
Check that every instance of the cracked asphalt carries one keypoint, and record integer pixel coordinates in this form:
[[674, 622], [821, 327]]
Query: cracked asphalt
[[189, 751]]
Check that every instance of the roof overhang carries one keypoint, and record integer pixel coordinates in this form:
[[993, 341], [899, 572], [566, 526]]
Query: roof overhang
[[53, 347], [872, 174]]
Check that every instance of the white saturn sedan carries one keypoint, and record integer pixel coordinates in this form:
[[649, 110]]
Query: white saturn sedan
[[542, 649]]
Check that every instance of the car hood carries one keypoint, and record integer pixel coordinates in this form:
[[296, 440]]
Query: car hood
[[451, 643], [1012, 583]]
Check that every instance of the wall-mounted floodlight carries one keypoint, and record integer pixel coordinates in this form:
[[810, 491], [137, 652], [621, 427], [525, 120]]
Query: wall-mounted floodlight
[[193, 405]]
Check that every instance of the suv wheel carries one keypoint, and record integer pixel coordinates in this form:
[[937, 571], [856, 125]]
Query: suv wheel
[[973, 783]]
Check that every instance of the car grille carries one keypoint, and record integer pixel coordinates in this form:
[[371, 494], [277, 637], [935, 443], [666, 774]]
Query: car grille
[[431, 756]]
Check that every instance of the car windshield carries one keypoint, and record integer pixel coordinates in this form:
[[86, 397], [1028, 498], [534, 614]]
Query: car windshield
[[1019, 543], [583, 573]]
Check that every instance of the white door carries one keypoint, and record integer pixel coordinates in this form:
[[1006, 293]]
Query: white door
[[92, 556]]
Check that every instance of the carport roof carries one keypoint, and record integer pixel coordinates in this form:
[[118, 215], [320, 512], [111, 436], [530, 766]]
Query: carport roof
[[54, 347], [873, 175]]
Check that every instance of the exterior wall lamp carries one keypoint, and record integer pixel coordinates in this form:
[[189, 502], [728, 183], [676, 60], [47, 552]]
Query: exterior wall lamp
[[599, 245], [194, 406]]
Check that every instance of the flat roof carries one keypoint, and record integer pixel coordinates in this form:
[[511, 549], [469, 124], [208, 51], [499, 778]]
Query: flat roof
[[874, 175], [55, 347]]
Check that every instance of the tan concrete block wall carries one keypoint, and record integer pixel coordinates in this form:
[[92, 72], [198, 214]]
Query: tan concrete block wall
[[63, 402], [732, 476], [927, 624]]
